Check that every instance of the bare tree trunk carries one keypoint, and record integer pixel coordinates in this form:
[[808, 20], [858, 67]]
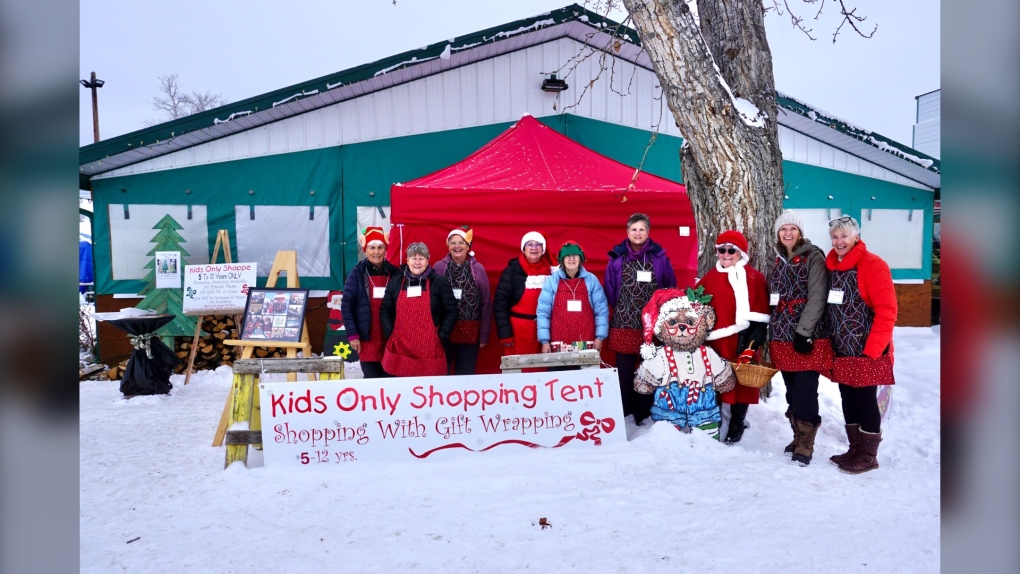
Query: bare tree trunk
[[732, 164]]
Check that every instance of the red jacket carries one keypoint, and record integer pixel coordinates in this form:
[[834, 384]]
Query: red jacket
[[874, 280]]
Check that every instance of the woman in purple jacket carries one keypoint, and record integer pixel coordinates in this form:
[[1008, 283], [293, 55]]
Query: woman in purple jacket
[[474, 303], [637, 267]]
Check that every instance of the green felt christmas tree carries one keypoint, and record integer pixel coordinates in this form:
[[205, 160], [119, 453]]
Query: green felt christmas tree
[[167, 300]]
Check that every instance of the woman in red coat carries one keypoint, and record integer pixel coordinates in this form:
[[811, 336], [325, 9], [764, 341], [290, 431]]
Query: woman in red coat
[[862, 312], [741, 301]]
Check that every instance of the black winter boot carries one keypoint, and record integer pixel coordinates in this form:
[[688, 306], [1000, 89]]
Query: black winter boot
[[793, 426], [738, 411]]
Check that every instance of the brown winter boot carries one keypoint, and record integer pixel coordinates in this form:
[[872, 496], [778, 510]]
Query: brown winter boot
[[793, 444], [866, 453], [805, 441], [853, 435]]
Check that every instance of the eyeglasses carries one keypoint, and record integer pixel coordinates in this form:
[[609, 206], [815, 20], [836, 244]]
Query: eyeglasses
[[844, 219], [725, 250], [533, 245]]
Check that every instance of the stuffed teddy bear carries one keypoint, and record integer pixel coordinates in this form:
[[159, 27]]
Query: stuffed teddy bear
[[683, 375]]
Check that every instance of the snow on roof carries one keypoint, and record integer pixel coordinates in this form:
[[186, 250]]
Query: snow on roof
[[184, 132]]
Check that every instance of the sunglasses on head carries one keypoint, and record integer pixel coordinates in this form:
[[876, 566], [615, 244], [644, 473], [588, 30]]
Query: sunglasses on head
[[844, 219], [726, 250]]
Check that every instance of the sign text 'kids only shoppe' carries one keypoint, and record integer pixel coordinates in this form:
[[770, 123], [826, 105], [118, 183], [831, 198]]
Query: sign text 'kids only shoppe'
[[319, 423]]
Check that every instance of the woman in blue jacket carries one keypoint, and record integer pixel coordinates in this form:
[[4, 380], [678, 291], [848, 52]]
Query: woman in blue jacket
[[362, 301], [572, 307]]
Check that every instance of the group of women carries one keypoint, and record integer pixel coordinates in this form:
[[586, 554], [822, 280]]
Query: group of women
[[814, 314]]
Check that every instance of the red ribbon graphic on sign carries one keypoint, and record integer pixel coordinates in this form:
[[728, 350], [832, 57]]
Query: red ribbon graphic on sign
[[593, 427]]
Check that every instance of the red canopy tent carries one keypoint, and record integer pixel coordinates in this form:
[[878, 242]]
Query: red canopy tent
[[532, 177]]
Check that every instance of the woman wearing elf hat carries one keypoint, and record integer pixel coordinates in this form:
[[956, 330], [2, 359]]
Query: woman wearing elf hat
[[637, 267], [741, 300], [572, 307], [474, 303], [862, 311], [799, 343], [516, 301], [363, 295], [417, 316]]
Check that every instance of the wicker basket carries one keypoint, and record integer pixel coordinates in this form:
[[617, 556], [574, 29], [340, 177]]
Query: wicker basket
[[754, 376]]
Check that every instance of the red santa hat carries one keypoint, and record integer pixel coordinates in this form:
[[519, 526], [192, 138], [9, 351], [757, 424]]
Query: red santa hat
[[372, 235], [667, 300], [734, 238]]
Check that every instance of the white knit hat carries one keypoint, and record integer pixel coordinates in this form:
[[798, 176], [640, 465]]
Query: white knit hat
[[533, 236], [788, 217]]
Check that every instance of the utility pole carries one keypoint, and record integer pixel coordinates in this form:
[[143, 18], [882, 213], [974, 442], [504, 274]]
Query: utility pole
[[92, 85]]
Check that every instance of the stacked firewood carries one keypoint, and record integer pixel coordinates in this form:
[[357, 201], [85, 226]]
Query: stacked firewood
[[211, 351]]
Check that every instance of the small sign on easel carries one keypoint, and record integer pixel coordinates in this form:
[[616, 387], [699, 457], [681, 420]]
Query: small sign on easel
[[217, 288]]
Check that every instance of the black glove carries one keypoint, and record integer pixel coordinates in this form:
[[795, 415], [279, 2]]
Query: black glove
[[754, 336], [802, 344]]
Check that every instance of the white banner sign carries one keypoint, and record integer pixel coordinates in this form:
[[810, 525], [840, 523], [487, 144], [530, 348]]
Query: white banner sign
[[326, 423], [168, 270], [217, 289]]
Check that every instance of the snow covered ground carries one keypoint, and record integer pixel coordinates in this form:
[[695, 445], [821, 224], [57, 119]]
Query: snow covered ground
[[155, 497]]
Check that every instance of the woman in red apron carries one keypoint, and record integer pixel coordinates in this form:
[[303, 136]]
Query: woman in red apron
[[740, 297], [517, 293], [362, 300], [572, 308], [418, 313], [862, 311]]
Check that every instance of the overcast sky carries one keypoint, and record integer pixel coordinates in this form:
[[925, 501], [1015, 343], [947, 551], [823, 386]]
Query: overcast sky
[[246, 48]]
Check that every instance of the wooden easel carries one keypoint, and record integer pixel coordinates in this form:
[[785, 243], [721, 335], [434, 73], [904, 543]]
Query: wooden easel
[[222, 238], [242, 394]]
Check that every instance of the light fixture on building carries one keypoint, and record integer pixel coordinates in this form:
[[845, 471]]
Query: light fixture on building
[[554, 84]]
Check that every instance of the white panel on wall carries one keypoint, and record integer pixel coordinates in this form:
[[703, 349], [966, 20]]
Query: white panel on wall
[[434, 107], [469, 96], [895, 235], [501, 110], [331, 124], [520, 82], [221, 149], [131, 236], [451, 100], [401, 110], [349, 121], [366, 118], [259, 140], [418, 101], [295, 133], [314, 136], [277, 137], [486, 92], [284, 228]]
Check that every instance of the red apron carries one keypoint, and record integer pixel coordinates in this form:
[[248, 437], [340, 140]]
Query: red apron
[[572, 326], [414, 348], [372, 347]]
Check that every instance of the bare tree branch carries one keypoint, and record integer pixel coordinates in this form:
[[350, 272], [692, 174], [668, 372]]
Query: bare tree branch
[[174, 104]]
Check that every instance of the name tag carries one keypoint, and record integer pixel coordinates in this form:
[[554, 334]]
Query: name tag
[[773, 299], [457, 293], [835, 297], [644, 276], [378, 292], [414, 291], [574, 306]]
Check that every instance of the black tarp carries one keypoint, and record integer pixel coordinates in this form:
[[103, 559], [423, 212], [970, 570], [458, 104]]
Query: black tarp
[[145, 375]]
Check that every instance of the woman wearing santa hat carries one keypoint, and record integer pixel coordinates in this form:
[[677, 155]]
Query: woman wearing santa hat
[[862, 310], [572, 307], [363, 296], [799, 343], [474, 303], [741, 301], [516, 301], [637, 267]]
